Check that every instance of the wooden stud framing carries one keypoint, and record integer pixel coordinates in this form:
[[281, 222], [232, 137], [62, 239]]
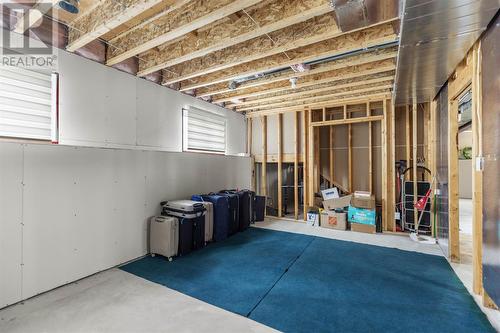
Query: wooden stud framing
[[384, 166], [331, 154], [349, 147], [317, 158], [263, 185], [280, 165], [305, 189], [185, 19], [453, 214], [296, 140], [310, 161], [370, 150], [408, 140], [414, 158], [477, 175], [391, 173], [432, 150]]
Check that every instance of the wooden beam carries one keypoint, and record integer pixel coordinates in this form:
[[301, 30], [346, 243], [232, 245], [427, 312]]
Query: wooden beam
[[345, 92], [337, 102], [305, 176], [426, 125], [370, 150], [317, 89], [349, 157], [347, 121], [368, 37], [296, 140], [414, 124], [280, 164], [383, 134], [301, 34], [263, 185], [310, 161], [453, 216], [432, 151], [273, 158], [262, 19], [477, 175], [331, 136], [317, 159], [391, 174], [379, 58], [103, 18], [33, 16], [187, 18]]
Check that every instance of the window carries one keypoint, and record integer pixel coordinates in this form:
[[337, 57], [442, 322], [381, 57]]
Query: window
[[203, 131], [28, 104]]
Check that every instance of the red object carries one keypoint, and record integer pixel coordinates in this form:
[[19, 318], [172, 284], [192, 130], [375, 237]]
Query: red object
[[422, 202]]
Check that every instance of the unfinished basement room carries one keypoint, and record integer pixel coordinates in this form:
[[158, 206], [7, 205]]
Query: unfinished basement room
[[249, 166]]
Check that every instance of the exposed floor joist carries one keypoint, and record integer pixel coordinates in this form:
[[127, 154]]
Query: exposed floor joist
[[375, 35], [314, 91], [327, 77], [355, 99], [258, 20], [329, 96], [185, 19], [104, 17], [255, 85], [301, 34]]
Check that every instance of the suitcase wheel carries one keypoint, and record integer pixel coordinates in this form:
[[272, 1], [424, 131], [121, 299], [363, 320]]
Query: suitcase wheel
[[170, 259], [152, 254]]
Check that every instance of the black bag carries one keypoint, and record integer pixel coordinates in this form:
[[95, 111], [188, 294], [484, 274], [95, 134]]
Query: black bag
[[221, 213], [245, 211], [260, 208], [234, 214]]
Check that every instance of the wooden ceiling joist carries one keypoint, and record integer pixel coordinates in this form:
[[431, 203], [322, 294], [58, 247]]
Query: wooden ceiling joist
[[298, 35], [185, 19], [226, 94], [263, 18], [329, 96], [314, 90], [26, 22], [362, 98], [104, 17], [307, 81], [369, 37]]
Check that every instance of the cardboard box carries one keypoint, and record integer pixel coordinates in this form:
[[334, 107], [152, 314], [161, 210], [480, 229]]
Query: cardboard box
[[333, 220], [363, 201], [362, 215], [330, 193], [367, 228], [336, 203]]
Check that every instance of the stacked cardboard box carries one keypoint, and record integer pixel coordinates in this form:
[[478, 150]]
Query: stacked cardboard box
[[361, 213], [334, 216]]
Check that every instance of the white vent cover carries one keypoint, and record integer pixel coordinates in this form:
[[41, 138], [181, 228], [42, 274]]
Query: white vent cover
[[203, 131], [27, 104]]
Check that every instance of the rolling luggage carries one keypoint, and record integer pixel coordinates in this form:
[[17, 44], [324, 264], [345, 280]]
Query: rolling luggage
[[245, 207], [234, 216], [164, 236], [260, 208], [221, 214], [191, 215], [209, 221]]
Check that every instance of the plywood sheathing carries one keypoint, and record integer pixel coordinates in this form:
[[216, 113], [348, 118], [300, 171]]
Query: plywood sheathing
[[365, 38], [258, 20], [185, 19], [301, 34], [106, 16], [281, 78]]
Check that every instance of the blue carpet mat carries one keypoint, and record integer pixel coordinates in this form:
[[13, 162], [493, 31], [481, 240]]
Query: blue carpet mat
[[299, 283]]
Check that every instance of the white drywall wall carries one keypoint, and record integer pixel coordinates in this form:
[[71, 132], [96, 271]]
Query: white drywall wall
[[100, 106], [68, 212]]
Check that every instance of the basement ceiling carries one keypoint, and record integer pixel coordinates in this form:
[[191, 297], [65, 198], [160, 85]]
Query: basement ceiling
[[435, 37], [247, 55]]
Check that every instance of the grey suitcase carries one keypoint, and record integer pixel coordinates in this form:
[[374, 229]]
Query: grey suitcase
[[164, 236], [209, 221]]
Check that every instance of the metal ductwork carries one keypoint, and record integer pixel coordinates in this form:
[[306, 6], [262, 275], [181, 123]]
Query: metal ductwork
[[355, 14]]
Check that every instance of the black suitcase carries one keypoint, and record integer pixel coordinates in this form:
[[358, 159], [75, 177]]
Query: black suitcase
[[221, 213], [191, 215], [234, 214], [245, 207], [260, 208]]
